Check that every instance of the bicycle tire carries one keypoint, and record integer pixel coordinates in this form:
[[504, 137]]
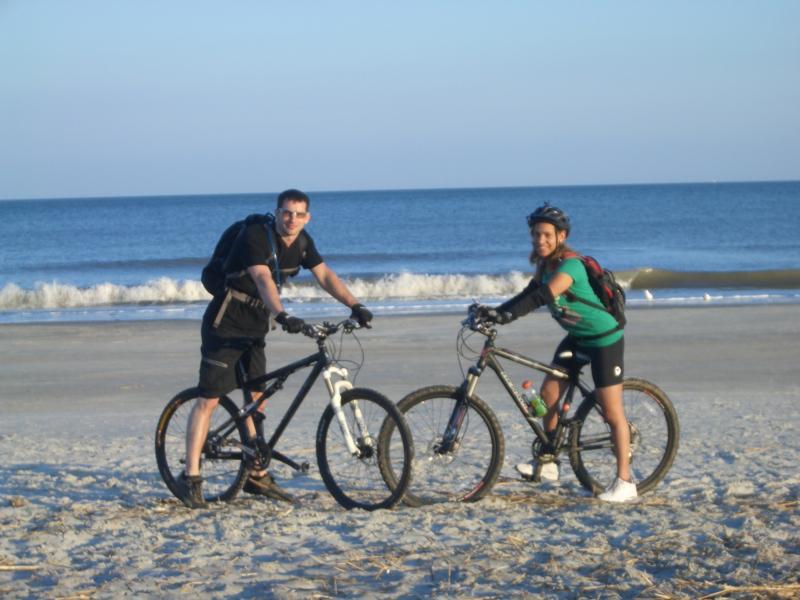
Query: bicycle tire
[[223, 472], [469, 472], [358, 481], [654, 439]]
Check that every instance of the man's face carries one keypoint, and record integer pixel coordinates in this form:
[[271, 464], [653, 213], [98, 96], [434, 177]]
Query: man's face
[[291, 217]]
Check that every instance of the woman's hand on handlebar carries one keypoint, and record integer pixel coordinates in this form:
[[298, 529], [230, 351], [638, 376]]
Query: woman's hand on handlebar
[[482, 313]]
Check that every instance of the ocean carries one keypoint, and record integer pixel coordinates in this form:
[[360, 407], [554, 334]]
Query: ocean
[[402, 251]]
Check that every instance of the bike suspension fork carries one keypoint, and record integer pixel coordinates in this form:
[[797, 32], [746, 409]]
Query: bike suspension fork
[[335, 389], [459, 410]]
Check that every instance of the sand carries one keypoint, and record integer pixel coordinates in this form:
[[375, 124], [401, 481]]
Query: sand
[[84, 513]]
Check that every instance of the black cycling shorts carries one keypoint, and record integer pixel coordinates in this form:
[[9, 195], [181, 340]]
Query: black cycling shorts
[[608, 364], [218, 362]]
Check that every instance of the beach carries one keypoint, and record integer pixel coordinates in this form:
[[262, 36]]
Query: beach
[[84, 513]]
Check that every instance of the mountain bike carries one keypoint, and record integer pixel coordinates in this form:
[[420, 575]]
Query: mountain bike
[[460, 445], [351, 457]]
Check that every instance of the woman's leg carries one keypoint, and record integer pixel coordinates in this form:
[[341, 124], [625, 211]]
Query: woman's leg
[[610, 399], [552, 389]]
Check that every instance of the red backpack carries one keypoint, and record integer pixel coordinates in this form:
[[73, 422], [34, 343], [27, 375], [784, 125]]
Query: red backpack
[[605, 287]]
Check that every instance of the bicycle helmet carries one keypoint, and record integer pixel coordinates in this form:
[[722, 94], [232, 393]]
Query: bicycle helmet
[[550, 214]]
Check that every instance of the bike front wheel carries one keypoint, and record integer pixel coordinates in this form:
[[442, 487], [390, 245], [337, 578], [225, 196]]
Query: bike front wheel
[[469, 469], [354, 476], [654, 433], [221, 462]]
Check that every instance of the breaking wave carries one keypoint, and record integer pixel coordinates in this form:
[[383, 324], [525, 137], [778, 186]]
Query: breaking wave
[[168, 291], [663, 279], [400, 286]]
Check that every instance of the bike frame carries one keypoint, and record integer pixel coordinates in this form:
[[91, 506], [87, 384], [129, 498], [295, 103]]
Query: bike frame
[[489, 358], [322, 363]]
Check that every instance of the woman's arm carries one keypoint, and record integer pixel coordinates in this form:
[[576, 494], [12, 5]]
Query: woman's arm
[[532, 297]]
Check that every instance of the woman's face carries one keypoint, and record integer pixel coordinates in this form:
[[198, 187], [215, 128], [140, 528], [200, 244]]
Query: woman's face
[[546, 239]]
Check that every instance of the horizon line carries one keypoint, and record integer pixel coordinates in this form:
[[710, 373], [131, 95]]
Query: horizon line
[[402, 189]]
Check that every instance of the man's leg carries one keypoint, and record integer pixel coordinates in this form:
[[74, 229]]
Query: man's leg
[[217, 376], [196, 432]]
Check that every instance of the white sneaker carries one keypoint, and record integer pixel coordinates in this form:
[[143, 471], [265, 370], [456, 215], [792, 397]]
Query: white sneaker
[[549, 471], [619, 491]]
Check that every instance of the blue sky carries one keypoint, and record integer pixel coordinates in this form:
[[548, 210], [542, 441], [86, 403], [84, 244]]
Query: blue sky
[[142, 97]]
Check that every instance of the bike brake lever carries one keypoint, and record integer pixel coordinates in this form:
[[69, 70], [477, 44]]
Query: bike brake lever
[[350, 325], [311, 331]]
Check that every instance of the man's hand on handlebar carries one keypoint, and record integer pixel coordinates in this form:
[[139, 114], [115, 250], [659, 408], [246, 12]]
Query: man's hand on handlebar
[[289, 323], [360, 314]]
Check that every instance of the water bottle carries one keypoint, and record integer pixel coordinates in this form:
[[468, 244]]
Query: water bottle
[[534, 400]]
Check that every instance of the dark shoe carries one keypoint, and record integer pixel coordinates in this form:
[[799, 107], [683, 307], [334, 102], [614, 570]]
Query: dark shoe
[[265, 485], [190, 491]]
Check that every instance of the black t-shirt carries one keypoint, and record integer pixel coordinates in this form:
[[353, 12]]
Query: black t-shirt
[[252, 248]]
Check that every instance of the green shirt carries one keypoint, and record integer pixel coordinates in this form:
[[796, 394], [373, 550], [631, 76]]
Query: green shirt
[[579, 319]]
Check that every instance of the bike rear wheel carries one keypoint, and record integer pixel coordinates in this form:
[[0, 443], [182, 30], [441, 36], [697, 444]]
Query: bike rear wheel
[[654, 440], [221, 463], [469, 470], [356, 480]]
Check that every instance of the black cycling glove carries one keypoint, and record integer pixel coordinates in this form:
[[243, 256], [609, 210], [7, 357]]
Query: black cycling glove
[[493, 315], [360, 313], [289, 323]]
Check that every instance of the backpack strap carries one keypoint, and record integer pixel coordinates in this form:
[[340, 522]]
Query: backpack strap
[[232, 294], [597, 336], [269, 221], [276, 274], [573, 298]]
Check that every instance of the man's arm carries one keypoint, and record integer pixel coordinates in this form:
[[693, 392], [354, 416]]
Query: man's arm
[[267, 289], [330, 282]]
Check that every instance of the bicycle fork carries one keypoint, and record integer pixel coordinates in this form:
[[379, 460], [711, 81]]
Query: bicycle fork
[[459, 412], [335, 389]]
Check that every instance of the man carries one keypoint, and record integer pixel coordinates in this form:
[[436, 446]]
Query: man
[[235, 323]]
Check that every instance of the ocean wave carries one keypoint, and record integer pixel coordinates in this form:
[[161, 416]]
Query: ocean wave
[[57, 295], [647, 278], [403, 286], [399, 286], [406, 286]]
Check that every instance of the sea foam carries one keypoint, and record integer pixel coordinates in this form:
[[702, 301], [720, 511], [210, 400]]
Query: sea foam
[[403, 286]]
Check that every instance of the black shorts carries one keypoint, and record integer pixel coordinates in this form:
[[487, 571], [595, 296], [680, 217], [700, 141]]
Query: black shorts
[[608, 364], [219, 357]]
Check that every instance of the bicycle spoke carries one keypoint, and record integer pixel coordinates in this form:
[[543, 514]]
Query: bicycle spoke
[[221, 460], [355, 478], [653, 430], [467, 470]]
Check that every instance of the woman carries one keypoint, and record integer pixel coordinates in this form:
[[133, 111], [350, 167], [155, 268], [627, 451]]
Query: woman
[[560, 282]]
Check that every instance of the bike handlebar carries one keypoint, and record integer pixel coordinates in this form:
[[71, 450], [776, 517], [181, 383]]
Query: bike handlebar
[[476, 321], [320, 331]]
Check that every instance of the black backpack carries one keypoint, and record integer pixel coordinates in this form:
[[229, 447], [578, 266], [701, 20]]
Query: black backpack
[[214, 277], [607, 289]]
